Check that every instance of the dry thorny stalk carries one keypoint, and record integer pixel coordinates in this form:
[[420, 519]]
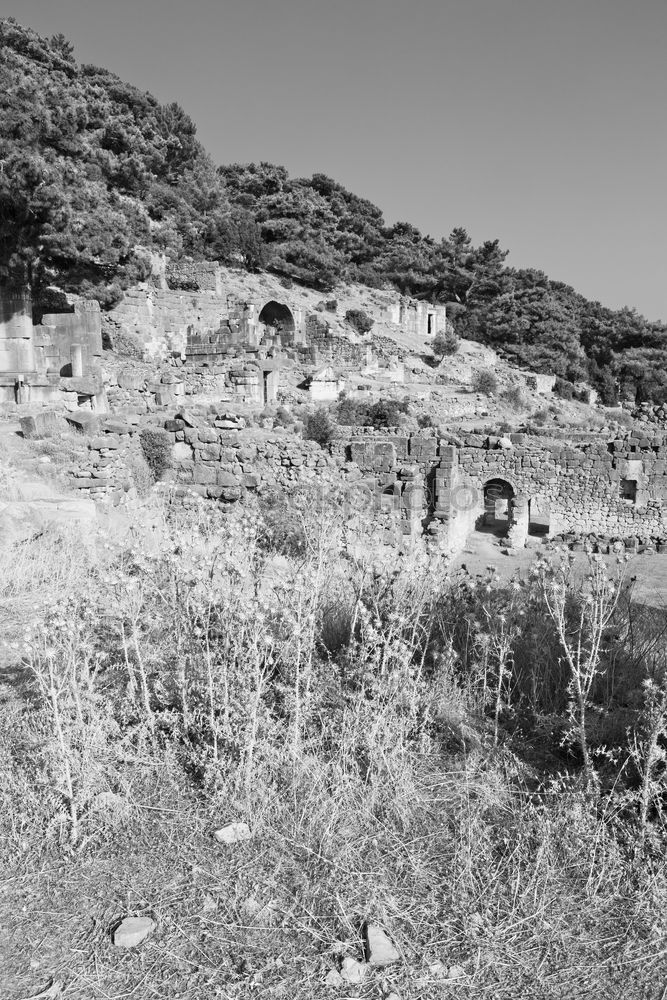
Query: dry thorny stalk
[[581, 631]]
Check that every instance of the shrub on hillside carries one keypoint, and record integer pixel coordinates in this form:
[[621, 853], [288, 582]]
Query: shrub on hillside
[[387, 412], [283, 417], [485, 381], [156, 447], [122, 341], [351, 412], [328, 305], [383, 413], [564, 389], [319, 426], [281, 529], [514, 397], [359, 320], [445, 343]]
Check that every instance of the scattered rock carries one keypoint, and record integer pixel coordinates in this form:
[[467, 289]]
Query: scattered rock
[[233, 833], [353, 972], [209, 904], [455, 972], [129, 379], [334, 978], [188, 418], [380, 949], [42, 424], [85, 421], [264, 914], [50, 993], [132, 930]]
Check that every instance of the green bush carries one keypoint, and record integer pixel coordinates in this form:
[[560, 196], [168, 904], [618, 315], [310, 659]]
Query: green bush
[[387, 412], [319, 426], [351, 413], [445, 343], [156, 445], [564, 389], [359, 320], [485, 381], [383, 413], [283, 417], [514, 397]]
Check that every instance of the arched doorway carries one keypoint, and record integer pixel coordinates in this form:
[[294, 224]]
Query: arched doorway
[[279, 318], [498, 497]]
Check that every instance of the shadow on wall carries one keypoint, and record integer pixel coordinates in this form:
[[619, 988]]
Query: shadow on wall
[[279, 316]]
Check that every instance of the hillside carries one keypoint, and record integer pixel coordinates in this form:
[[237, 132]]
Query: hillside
[[332, 616], [97, 174]]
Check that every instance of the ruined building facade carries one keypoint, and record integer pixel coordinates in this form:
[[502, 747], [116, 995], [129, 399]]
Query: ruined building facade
[[56, 360]]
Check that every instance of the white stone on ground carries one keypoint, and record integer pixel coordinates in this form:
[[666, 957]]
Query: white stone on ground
[[381, 950], [233, 833], [132, 931], [455, 972], [353, 972]]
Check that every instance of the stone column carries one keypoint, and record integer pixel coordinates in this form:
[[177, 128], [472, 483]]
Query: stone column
[[22, 392], [76, 354], [16, 333], [518, 518]]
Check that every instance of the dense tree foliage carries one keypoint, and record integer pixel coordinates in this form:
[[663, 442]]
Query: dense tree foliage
[[95, 174], [93, 170]]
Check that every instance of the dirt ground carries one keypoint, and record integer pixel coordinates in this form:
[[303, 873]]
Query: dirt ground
[[646, 571]]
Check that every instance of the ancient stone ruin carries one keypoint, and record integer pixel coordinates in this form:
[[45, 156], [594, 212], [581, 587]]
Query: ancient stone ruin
[[55, 361]]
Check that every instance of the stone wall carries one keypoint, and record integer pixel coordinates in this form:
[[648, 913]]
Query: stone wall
[[421, 319], [16, 334], [415, 486], [59, 333], [107, 474], [195, 276], [160, 318], [615, 491], [58, 360], [543, 384], [217, 458], [325, 345]]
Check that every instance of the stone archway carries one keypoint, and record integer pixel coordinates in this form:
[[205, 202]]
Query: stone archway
[[280, 320], [499, 496]]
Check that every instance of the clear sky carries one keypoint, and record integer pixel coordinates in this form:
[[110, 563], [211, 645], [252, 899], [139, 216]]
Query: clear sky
[[538, 122]]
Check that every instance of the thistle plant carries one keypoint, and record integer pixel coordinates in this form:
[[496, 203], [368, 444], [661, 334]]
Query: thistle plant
[[581, 617]]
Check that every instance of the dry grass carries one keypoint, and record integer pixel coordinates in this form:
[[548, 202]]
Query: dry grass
[[37, 572], [332, 737]]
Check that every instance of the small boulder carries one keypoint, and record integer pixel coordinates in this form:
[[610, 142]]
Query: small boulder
[[380, 949], [42, 424], [333, 978], [132, 930], [353, 972], [455, 972], [233, 833], [85, 421]]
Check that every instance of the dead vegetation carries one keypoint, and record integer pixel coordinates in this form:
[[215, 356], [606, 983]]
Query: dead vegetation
[[371, 725]]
